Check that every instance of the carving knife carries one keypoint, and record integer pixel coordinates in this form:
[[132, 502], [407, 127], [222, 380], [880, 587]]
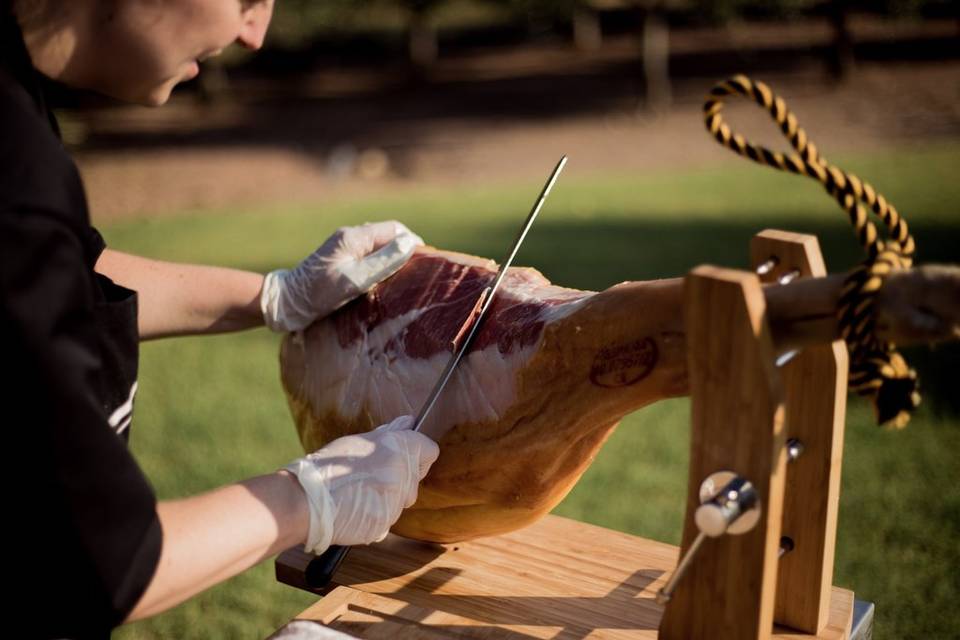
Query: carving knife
[[484, 302], [320, 571]]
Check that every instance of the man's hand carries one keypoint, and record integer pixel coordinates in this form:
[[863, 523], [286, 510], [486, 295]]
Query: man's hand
[[358, 485], [347, 265]]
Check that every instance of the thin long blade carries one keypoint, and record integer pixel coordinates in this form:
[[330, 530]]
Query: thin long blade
[[484, 302]]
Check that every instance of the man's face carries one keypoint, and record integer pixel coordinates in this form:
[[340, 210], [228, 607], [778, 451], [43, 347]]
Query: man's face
[[145, 47]]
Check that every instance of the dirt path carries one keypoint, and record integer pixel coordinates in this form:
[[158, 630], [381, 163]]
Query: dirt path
[[331, 141]]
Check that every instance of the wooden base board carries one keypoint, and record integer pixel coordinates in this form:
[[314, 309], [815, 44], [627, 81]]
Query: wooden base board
[[556, 578]]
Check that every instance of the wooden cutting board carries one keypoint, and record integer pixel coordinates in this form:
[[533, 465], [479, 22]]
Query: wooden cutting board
[[555, 579]]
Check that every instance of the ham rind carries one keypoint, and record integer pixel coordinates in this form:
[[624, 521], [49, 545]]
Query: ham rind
[[546, 380]]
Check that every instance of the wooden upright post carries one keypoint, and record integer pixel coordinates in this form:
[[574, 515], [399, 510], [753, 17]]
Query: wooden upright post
[[815, 383], [737, 416]]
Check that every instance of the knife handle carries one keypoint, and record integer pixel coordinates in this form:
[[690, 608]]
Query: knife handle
[[320, 571]]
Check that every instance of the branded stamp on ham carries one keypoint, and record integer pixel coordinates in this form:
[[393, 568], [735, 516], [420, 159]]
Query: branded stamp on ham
[[624, 364]]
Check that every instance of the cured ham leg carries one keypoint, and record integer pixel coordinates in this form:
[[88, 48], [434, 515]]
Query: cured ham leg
[[547, 379]]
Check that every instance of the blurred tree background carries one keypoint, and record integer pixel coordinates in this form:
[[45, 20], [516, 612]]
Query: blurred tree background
[[421, 31], [298, 23]]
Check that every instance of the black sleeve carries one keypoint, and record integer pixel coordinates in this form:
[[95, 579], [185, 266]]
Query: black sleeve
[[85, 534]]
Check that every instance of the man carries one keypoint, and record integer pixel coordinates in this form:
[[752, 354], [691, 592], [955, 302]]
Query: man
[[92, 548]]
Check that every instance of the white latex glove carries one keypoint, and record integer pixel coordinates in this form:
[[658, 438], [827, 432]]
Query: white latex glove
[[358, 485], [347, 265]]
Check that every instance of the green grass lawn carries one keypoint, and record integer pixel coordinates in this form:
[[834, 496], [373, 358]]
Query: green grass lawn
[[210, 411]]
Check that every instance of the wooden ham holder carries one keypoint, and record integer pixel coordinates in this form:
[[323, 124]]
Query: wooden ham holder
[[560, 578]]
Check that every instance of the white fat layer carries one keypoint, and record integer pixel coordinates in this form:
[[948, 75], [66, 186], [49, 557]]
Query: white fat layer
[[366, 377]]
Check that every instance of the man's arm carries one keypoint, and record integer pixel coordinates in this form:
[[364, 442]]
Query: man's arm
[[184, 299], [212, 537]]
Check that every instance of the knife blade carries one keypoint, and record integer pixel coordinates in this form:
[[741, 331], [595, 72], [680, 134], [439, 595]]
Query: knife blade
[[320, 570], [484, 302]]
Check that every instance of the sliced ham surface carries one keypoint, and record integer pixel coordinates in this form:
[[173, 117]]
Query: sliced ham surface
[[548, 377]]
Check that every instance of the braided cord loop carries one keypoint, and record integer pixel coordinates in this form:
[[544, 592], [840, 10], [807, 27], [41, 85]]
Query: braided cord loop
[[877, 370]]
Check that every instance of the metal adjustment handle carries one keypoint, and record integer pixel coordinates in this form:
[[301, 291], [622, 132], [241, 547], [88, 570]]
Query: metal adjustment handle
[[728, 505], [732, 510]]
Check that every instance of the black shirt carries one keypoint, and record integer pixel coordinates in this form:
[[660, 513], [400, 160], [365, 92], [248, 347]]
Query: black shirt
[[85, 537]]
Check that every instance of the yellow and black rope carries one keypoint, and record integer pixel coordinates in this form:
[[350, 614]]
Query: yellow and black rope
[[876, 368]]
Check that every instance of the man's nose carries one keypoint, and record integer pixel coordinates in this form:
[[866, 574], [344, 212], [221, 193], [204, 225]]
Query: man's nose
[[256, 19]]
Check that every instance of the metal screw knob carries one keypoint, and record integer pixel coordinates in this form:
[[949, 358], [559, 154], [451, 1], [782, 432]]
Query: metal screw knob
[[729, 505], [767, 266], [719, 514]]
